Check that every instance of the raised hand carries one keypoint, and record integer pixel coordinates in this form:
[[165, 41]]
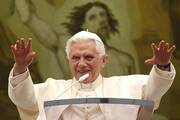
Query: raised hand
[[161, 54], [23, 55]]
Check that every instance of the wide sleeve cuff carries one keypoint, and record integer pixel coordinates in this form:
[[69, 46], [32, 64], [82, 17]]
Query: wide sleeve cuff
[[158, 83], [21, 91], [165, 74], [15, 80]]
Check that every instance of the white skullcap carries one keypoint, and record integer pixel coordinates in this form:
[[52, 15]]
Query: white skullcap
[[85, 35]]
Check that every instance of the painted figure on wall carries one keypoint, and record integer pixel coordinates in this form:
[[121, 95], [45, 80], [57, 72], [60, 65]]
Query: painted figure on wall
[[92, 16]]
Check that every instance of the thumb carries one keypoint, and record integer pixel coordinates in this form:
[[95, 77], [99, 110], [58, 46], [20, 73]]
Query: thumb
[[149, 61], [30, 57]]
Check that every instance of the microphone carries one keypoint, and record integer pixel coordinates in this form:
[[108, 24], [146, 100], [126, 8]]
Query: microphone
[[81, 79]]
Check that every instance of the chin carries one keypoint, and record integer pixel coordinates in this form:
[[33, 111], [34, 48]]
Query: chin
[[86, 82]]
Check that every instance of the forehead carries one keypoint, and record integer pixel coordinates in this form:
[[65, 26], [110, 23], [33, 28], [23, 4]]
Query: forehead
[[95, 10], [83, 46]]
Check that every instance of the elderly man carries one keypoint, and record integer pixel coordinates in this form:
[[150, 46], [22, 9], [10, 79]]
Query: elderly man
[[86, 54]]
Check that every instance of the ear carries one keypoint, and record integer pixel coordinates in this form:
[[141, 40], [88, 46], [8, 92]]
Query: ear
[[104, 60]]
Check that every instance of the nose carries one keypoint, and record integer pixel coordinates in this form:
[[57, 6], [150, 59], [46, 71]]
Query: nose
[[82, 63], [100, 20], [101, 17]]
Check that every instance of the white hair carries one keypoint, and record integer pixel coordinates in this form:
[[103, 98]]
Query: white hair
[[86, 36]]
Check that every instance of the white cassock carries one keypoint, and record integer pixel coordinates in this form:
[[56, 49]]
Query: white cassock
[[83, 111], [29, 98]]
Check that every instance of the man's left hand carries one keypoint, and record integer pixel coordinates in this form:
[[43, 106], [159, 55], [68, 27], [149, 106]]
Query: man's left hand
[[161, 54]]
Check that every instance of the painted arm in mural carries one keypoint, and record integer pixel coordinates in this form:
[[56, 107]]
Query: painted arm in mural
[[41, 29], [44, 33]]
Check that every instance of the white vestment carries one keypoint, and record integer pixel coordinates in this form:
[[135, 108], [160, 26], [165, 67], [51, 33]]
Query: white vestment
[[29, 98]]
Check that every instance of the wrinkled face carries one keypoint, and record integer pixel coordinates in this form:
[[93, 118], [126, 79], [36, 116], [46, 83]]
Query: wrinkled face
[[84, 58], [96, 21]]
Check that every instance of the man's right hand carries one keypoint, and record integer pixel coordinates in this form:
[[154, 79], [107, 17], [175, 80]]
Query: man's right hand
[[23, 55]]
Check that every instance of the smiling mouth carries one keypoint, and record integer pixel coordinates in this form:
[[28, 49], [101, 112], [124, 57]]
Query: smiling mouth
[[83, 73]]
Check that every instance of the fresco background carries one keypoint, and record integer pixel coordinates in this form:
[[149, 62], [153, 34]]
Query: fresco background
[[141, 22]]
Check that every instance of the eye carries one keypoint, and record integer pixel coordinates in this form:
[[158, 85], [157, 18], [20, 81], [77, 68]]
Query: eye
[[75, 58], [92, 17], [103, 14], [89, 57]]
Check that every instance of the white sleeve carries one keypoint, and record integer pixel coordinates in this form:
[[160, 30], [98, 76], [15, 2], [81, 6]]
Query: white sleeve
[[21, 91], [15, 80], [158, 84]]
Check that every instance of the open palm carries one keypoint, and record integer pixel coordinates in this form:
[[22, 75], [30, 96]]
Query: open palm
[[161, 54], [23, 54]]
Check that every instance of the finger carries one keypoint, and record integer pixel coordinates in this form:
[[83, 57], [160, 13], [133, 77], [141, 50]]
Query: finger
[[17, 46], [30, 39], [161, 45], [171, 50], [13, 49], [154, 48], [22, 43], [31, 54], [30, 57], [29, 45], [166, 47], [25, 43], [149, 61]]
